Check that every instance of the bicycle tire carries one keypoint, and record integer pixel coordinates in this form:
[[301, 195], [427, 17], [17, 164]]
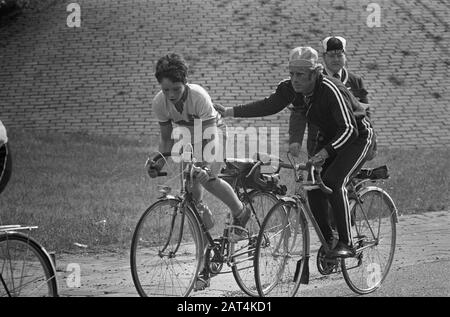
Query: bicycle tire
[[158, 266], [366, 272], [243, 272], [25, 267], [281, 250]]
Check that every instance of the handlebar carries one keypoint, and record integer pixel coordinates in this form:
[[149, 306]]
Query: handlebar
[[259, 163], [308, 166], [322, 186], [155, 159], [312, 170]]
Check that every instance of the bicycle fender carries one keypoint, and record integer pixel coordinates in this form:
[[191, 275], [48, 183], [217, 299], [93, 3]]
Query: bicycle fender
[[289, 200], [388, 197], [175, 199], [169, 197]]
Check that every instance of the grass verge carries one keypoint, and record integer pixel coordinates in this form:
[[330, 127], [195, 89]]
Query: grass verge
[[92, 190]]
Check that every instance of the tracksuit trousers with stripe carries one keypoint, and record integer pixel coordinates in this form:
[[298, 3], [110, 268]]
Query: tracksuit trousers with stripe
[[335, 174], [5, 166]]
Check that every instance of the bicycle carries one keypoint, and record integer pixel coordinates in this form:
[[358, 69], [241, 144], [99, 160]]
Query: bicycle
[[26, 269], [166, 254], [283, 246]]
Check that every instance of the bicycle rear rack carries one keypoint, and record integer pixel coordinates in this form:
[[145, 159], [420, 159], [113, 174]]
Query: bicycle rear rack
[[8, 228]]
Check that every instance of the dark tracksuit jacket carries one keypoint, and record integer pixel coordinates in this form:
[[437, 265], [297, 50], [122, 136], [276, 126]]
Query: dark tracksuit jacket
[[297, 120], [284, 96], [345, 132], [347, 135]]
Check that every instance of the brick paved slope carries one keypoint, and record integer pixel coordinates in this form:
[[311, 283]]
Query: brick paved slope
[[99, 78]]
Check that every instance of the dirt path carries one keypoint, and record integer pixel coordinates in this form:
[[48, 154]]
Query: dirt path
[[421, 238]]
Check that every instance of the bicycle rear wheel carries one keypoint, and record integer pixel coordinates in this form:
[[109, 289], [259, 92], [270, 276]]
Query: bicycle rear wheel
[[243, 251], [26, 269], [374, 235], [281, 250], [166, 250]]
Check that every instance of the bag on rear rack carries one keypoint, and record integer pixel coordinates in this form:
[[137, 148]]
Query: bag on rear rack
[[373, 173], [238, 170]]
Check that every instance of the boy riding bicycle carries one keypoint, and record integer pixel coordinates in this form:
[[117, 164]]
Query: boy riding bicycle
[[190, 108]]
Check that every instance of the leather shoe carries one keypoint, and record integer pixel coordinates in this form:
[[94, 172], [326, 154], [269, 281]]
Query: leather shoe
[[341, 250]]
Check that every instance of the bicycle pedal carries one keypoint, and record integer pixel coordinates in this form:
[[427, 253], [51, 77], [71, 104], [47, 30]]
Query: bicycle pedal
[[233, 238], [237, 234], [231, 227]]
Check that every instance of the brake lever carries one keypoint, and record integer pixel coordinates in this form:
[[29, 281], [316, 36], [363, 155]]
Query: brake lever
[[194, 170], [253, 169], [150, 161], [318, 179], [323, 187]]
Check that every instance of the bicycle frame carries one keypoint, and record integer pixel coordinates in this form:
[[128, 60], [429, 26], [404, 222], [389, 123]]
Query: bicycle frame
[[356, 187], [286, 235], [299, 200], [187, 201]]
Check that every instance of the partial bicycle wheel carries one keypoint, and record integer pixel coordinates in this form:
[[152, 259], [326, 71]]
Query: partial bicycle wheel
[[26, 269], [281, 250], [166, 250], [373, 225], [243, 251]]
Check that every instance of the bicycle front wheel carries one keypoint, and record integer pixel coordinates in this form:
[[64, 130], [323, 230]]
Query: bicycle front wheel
[[373, 225], [166, 250], [26, 269], [281, 250], [243, 252]]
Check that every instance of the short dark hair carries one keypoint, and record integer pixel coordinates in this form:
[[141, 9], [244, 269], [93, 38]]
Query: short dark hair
[[172, 66]]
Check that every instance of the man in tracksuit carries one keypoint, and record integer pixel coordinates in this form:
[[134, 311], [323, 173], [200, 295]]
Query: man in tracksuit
[[334, 50], [345, 136], [334, 57]]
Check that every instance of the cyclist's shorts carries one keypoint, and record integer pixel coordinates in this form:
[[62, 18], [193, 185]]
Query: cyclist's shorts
[[5, 166]]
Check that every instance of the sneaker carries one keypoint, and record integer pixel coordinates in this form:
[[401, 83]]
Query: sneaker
[[238, 231], [203, 281]]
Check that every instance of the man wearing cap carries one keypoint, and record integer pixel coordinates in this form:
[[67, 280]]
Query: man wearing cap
[[344, 139], [334, 49]]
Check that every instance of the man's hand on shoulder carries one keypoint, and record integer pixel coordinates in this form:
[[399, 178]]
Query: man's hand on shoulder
[[224, 111]]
